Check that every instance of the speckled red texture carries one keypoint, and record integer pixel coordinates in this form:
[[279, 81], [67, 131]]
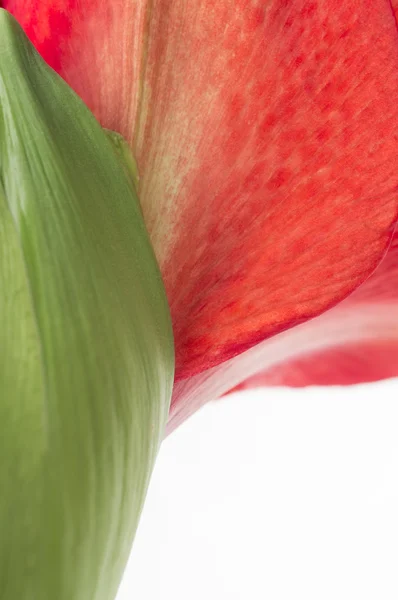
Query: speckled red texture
[[268, 163], [266, 138], [354, 342], [369, 353]]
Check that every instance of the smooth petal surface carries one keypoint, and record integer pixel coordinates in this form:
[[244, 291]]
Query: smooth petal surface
[[86, 347], [266, 140]]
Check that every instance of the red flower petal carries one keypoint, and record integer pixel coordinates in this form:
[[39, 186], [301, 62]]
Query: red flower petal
[[354, 342], [268, 163], [95, 45], [362, 362], [266, 142]]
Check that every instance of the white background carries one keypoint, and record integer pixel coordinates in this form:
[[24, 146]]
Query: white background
[[276, 495]]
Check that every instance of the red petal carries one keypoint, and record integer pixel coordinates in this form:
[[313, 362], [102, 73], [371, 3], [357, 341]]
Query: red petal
[[366, 350], [95, 45], [361, 362], [266, 141], [268, 154], [356, 341]]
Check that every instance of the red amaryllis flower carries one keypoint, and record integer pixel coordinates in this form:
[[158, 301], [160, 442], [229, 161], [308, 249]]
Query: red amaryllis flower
[[266, 140]]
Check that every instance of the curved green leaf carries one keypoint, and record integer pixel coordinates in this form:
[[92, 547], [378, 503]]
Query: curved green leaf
[[86, 348]]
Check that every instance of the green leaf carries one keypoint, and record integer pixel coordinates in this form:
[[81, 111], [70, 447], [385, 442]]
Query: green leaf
[[86, 347]]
